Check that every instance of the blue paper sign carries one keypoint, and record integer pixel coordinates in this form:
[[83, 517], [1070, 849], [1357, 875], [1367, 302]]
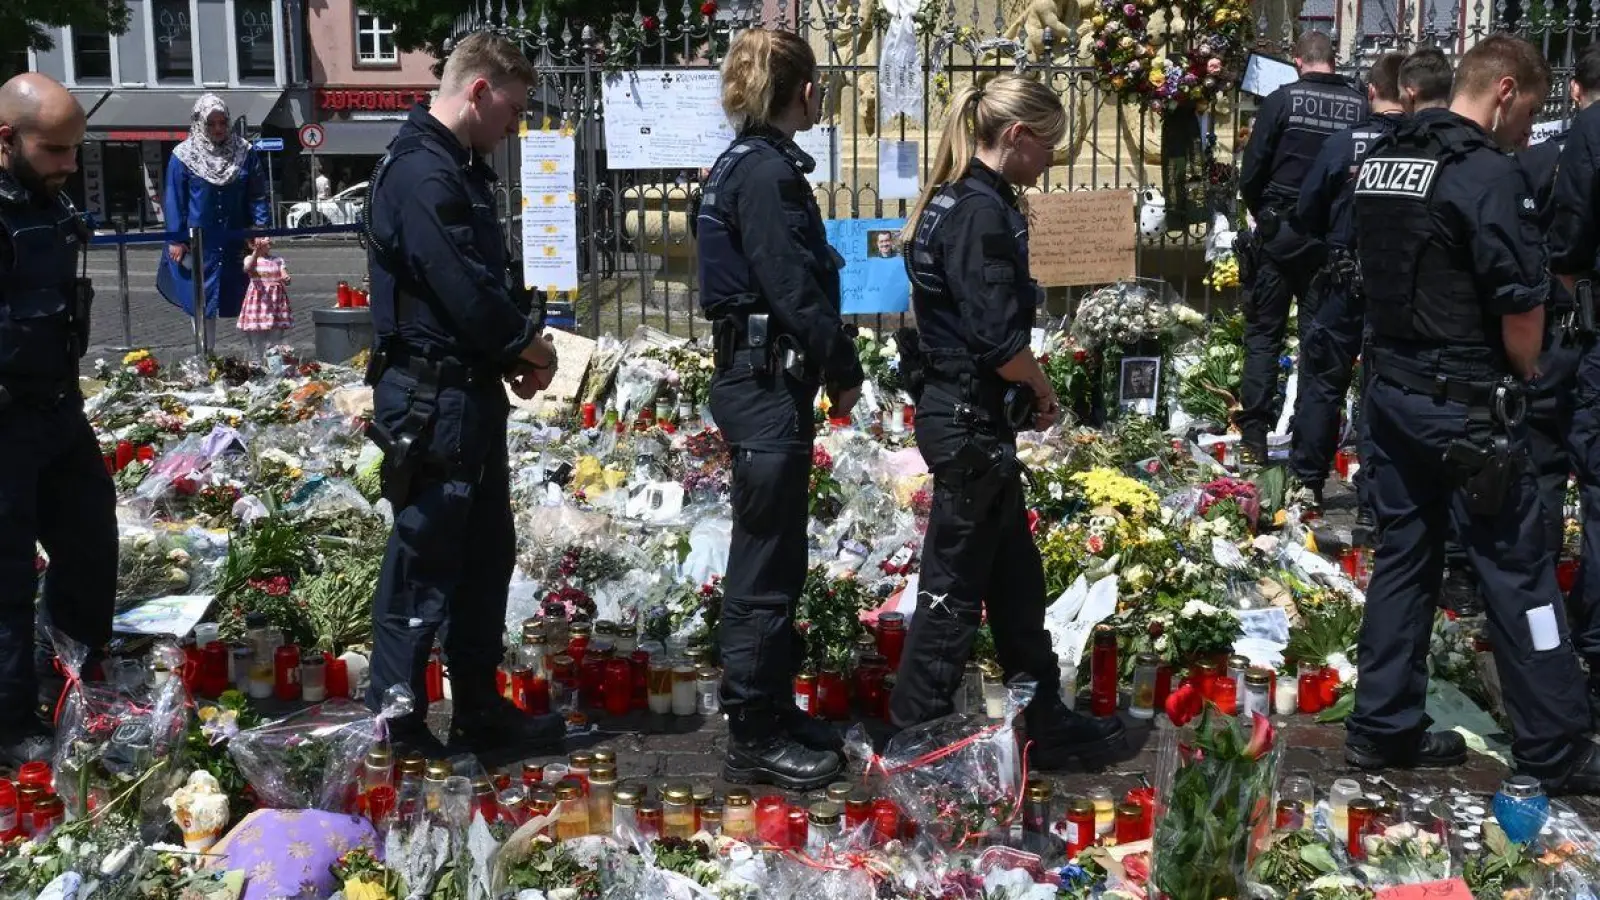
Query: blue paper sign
[[874, 277]]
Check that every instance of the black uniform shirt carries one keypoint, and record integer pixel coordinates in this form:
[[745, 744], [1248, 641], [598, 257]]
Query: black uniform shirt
[[1289, 131], [1574, 232], [996, 317], [1539, 167], [434, 211], [1326, 202]]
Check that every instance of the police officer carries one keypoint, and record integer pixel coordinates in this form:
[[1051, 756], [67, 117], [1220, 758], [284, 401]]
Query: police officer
[[1330, 342], [1454, 270], [1289, 131], [450, 328], [1574, 239], [975, 304], [770, 284], [1550, 409], [54, 488]]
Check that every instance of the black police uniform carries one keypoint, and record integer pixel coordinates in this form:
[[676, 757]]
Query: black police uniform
[[1574, 239], [1330, 343], [449, 327], [770, 283], [54, 487], [1288, 134], [975, 305], [1449, 245]]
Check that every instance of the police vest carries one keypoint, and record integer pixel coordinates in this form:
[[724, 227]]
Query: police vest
[[1364, 139], [1313, 110], [938, 311], [728, 286], [1418, 287], [39, 291]]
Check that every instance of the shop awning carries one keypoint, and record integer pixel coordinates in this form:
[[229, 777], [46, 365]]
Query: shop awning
[[135, 115], [358, 138]]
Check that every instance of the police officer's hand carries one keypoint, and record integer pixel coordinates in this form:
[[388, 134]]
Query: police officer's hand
[[1046, 411], [843, 401], [528, 380], [177, 252], [541, 354]]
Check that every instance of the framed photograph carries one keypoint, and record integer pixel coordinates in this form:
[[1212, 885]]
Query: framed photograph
[[1139, 384]]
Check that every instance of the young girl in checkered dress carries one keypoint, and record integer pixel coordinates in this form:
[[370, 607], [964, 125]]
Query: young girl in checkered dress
[[265, 317]]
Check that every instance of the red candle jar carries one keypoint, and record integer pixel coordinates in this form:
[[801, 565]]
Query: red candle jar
[[832, 697], [1129, 827], [805, 693], [213, 669], [338, 677], [286, 672], [592, 680], [1224, 694], [434, 678], [1103, 672], [578, 643], [1566, 575], [871, 691], [516, 689], [1359, 820], [1327, 687], [1341, 463], [343, 295], [381, 802], [1310, 689], [563, 671], [892, 638], [537, 693], [591, 415], [651, 819], [1163, 686], [1291, 816], [640, 662], [35, 773], [502, 683], [908, 415], [124, 454], [8, 811], [799, 828], [772, 820], [618, 690], [885, 820], [145, 453], [47, 813], [1080, 827], [857, 813]]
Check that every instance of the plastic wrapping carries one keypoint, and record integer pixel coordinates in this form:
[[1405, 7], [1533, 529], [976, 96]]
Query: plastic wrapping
[[120, 741], [960, 775], [310, 760]]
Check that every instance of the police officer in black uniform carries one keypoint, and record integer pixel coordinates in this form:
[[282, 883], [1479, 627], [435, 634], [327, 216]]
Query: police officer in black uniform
[[451, 327], [1330, 343], [54, 488], [1567, 336], [770, 284], [975, 304], [1574, 239], [1288, 133], [1454, 270]]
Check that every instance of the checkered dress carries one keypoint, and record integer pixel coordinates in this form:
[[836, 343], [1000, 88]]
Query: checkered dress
[[266, 304]]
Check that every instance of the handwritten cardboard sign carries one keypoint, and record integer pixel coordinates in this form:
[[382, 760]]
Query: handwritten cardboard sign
[[573, 352], [1080, 237], [1452, 889]]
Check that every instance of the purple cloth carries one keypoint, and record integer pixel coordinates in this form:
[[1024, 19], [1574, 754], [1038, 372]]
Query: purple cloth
[[287, 852]]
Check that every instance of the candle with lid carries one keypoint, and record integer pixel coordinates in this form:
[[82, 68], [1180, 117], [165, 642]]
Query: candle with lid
[[677, 801], [625, 808], [739, 815], [685, 696], [574, 821], [1143, 704], [602, 794], [823, 834]]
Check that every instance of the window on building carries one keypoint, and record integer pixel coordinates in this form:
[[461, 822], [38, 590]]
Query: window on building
[[252, 30], [91, 54], [374, 40], [174, 35]]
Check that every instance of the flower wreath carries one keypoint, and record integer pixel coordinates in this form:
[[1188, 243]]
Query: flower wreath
[[1164, 54]]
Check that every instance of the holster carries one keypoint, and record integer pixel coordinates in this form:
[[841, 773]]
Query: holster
[[913, 375], [1484, 463], [1583, 314], [1247, 248], [404, 456], [82, 305], [401, 463], [1020, 407]]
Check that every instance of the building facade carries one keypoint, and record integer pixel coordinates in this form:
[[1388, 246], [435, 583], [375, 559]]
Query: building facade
[[139, 89]]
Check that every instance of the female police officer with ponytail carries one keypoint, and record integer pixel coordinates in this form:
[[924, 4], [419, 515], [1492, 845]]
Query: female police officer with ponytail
[[770, 286], [967, 254]]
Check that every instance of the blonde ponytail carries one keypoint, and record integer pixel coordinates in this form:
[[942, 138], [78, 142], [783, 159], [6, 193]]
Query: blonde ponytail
[[762, 74], [978, 115]]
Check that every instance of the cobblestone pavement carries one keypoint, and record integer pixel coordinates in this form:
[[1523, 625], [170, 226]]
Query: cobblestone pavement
[[316, 267]]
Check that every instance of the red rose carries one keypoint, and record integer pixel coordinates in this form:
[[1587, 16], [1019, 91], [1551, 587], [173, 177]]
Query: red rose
[[650, 23], [1080, 356], [1033, 521], [708, 9], [1184, 704]]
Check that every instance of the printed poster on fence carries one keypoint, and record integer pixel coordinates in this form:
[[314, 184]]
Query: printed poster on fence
[[1081, 237], [874, 278], [664, 119], [549, 212]]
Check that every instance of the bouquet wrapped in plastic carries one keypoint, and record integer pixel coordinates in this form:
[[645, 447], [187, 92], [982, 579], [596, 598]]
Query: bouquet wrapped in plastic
[[1213, 800], [123, 736], [961, 774], [310, 760]]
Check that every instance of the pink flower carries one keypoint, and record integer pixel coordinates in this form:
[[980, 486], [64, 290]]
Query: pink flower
[[1096, 543], [1128, 9], [1213, 66]]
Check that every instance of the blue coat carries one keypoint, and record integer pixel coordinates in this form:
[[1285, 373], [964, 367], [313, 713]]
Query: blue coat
[[192, 201]]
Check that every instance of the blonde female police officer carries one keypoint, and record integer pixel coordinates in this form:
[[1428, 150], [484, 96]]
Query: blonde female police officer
[[967, 255], [770, 285]]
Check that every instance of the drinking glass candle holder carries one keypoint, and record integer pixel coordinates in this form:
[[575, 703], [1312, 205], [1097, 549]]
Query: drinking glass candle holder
[[1521, 808]]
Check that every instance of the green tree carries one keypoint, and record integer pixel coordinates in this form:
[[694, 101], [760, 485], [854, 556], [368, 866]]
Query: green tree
[[426, 24], [28, 25]]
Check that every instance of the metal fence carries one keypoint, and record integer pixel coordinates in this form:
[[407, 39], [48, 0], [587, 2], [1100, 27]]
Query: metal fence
[[636, 256]]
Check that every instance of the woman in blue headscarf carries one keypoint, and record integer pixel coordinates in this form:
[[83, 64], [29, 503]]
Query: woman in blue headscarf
[[214, 182]]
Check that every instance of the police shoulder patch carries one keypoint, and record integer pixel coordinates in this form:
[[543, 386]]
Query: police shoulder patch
[[1397, 176]]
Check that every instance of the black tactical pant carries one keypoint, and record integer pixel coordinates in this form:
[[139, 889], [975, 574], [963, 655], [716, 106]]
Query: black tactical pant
[[1329, 345], [54, 489], [447, 570], [1584, 448], [1549, 422], [1415, 508], [1285, 266], [767, 420], [977, 555]]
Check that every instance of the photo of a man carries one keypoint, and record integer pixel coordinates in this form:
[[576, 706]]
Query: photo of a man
[[1139, 383], [882, 245]]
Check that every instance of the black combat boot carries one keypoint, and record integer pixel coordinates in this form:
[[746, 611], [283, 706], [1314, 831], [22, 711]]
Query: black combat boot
[[810, 731], [1428, 750], [485, 721], [1064, 739], [1252, 449], [29, 742], [1583, 777], [410, 735], [761, 751]]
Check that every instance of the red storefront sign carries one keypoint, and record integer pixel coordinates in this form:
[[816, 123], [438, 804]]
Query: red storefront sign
[[373, 100]]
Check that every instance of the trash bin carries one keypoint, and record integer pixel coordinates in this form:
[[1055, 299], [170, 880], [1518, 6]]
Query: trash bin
[[342, 333]]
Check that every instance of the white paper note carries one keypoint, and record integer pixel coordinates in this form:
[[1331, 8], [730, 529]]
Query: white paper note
[[549, 212], [897, 170], [664, 119], [822, 144]]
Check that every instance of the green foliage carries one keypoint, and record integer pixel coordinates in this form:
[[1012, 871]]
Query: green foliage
[[426, 24], [829, 616], [1292, 860], [1210, 390], [1326, 628], [26, 24]]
